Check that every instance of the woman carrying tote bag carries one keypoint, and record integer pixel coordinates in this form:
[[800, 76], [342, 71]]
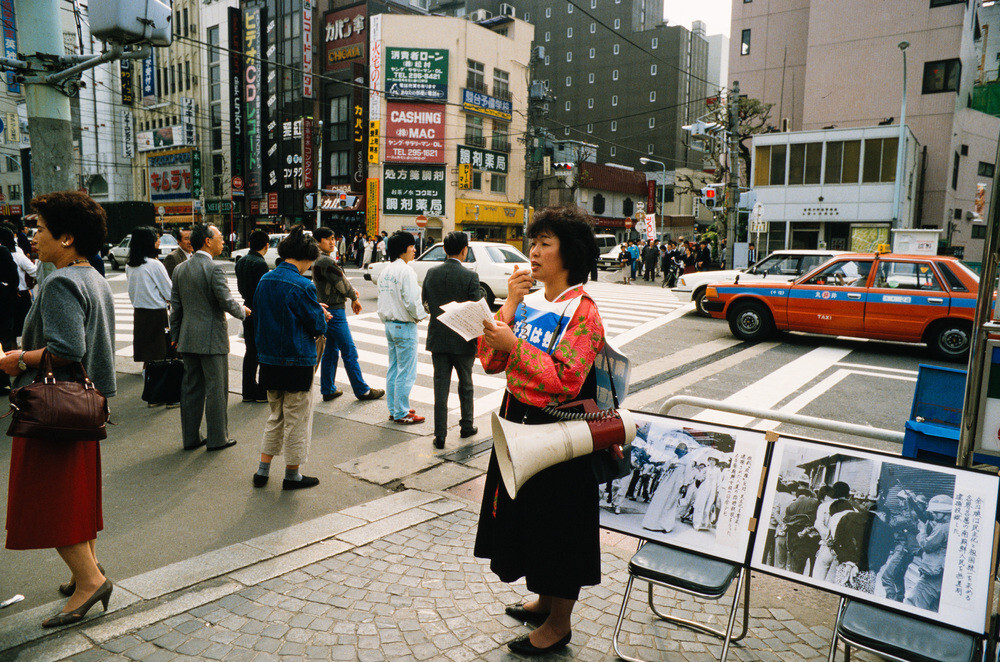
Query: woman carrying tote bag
[[54, 495]]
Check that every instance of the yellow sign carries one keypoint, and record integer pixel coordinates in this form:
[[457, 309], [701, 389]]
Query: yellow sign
[[465, 175], [371, 212], [343, 53], [373, 134], [482, 212]]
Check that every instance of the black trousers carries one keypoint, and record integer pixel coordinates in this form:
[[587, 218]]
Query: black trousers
[[251, 385], [443, 364]]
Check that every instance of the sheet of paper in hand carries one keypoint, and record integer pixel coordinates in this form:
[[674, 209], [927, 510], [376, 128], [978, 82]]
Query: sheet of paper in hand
[[466, 318]]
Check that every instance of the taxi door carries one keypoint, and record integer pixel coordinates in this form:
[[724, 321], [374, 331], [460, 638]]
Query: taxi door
[[831, 301], [905, 296]]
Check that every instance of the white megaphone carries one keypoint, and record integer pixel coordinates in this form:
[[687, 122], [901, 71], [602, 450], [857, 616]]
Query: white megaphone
[[524, 450]]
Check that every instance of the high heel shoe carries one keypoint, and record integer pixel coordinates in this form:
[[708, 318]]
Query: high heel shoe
[[69, 588], [102, 595]]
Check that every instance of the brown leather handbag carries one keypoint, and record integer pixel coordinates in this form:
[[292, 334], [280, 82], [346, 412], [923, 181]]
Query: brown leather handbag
[[59, 410]]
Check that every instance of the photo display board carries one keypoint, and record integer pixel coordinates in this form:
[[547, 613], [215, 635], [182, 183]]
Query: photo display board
[[903, 534], [693, 485]]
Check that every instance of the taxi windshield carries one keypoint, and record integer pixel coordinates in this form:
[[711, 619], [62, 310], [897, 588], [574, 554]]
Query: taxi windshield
[[779, 265]]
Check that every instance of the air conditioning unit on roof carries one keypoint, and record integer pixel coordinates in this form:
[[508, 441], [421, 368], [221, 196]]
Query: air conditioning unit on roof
[[507, 10], [480, 15]]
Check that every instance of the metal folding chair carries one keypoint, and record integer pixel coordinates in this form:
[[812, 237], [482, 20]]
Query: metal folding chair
[[689, 573], [900, 638]]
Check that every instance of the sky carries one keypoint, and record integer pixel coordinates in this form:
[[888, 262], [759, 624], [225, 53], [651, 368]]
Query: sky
[[715, 14]]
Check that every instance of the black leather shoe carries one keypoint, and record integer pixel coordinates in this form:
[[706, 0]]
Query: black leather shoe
[[438, 442], [525, 616], [231, 442], [330, 396], [196, 446], [468, 432], [523, 646], [102, 595], [259, 481], [69, 588], [372, 394], [307, 481]]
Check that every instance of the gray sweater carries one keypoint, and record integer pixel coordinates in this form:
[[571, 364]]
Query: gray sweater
[[74, 317]]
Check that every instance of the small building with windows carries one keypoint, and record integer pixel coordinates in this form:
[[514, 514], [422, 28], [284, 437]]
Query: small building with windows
[[835, 188]]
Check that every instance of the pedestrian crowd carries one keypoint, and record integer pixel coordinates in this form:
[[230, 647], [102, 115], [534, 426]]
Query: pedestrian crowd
[[669, 259], [295, 325]]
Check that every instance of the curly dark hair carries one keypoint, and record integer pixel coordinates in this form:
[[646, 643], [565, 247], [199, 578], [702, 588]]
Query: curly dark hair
[[298, 245], [575, 232], [142, 245], [76, 214]]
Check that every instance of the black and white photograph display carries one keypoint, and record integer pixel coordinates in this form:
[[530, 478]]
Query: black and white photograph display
[[884, 529], [692, 485]]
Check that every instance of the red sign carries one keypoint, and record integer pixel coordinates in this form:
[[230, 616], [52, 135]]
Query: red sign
[[237, 183], [344, 37], [421, 221], [307, 153], [651, 195], [254, 206], [272, 202], [414, 133]]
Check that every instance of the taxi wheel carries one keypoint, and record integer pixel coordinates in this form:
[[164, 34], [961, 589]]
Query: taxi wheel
[[700, 299], [751, 321], [950, 340], [486, 293]]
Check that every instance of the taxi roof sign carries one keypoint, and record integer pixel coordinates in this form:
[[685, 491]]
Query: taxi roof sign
[[883, 249]]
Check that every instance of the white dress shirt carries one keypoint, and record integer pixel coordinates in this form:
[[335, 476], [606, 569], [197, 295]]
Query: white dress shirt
[[25, 267]]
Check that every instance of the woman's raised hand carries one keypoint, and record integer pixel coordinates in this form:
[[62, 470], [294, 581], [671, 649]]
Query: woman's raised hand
[[518, 285]]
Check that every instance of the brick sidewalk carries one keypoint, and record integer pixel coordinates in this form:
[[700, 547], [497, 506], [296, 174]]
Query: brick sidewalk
[[395, 580]]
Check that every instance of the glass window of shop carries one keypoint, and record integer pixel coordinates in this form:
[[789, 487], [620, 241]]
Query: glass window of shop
[[340, 118], [843, 162]]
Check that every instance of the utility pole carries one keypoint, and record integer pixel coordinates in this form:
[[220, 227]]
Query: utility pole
[[49, 124], [537, 95], [733, 210]]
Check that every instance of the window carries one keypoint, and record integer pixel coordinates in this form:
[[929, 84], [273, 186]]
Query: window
[[652, 70], [474, 131], [954, 172], [548, 12], [340, 169], [590, 78], [965, 150], [599, 204], [880, 160], [614, 125], [906, 276], [590, 103], [770, 165], [567, 106], [745, 42], [569, 81], [613, 150], [501, 84], [590, 128], [546, 60], [501, 133], [942, 76], [569, 56], [616, 49], [566, 131], [628, 207], [593, 4], [569, 33], [477, 180], [843, 161], [14, 190], [614, 100], [340, 118], [173, 80], [618, 23], [218, 166], [652, 96], [187, 73], [593, 28], [476, 77], [614, 75], [985, 169], [804, 163], [649, 148], [958, 214], [498, 183], [978, 232], [652, 122], [569, 8], [845, 273], [655, 42], [592, 53], [548, 36], [184, 23]]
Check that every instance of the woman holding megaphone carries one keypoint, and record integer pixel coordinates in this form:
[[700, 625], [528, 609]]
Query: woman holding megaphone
[[546, 342]]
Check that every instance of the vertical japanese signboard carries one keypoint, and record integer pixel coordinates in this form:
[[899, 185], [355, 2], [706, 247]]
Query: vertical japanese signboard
[[359, 131], [253, 108], [371, 211], [149, 79], [373, 138], [128, 88], [196, 174], [236, 127], [291, 143], [187, 120], [308, 180], [128, 134], [9, 41], [270, 120], [307, 49], [374, 66]]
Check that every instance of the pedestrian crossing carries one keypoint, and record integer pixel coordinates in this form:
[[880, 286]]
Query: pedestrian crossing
[[622, 308]]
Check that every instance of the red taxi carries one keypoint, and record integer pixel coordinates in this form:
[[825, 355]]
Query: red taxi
[[910, 298]]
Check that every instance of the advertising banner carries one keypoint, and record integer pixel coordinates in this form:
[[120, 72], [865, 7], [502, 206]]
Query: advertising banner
[[373, 138], [128, 135], [375, 67], [307, 49], [270, 119], [253, 81], [149, 79], [170, 176], [9, 40], [187, 120], [128, 88], [484, 159], [359, 131], [291, 143], [237, 130], [414, 133], [371, 211], [416, 73], [196, 174], [484, 104], [344, 37], [308, 180], [167, 136], [411, 190]]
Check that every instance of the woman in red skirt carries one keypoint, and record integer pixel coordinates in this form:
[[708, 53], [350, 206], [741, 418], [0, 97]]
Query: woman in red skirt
[[54, 497]]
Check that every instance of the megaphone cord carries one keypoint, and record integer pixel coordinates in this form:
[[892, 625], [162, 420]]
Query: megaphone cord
[[579, 416]]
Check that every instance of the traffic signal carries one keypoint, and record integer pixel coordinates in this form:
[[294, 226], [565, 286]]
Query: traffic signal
[[713, 196], [562, 168]]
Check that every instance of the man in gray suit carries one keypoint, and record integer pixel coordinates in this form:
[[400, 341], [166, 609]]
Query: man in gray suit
[[444, 284], [179, 254], [199, 302]]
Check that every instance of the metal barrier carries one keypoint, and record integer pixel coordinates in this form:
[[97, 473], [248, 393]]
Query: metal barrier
[[782, 417]]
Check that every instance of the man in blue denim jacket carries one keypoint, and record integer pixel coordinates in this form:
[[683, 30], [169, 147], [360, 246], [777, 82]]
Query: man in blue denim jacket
[[289, 321]]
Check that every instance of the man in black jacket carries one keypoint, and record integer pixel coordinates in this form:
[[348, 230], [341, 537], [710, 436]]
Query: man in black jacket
[[249, 270], [444, 284]]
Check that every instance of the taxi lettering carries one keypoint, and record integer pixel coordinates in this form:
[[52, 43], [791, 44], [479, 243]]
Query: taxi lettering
[[896, 298], [826, 294]]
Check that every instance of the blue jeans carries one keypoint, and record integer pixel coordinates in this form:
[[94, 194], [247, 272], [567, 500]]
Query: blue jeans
[[339, 342], [402, 339]]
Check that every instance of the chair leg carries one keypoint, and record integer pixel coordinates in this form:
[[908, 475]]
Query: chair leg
[[700, 627], [621, 618], [836, 635], [743, 577]]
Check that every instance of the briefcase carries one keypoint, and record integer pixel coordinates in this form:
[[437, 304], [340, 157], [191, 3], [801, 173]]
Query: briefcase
[[162, 381]]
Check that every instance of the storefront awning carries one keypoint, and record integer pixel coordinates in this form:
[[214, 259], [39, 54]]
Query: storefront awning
[[485, 212]]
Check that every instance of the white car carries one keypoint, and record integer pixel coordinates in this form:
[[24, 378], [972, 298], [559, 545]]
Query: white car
[[494, 262], [780, 266], [118, 255], [271, 256]]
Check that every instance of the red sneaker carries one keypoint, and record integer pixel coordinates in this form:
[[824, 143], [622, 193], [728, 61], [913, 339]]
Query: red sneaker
[[410, 419]]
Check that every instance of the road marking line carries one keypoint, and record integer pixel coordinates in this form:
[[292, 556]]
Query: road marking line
[[623, 338], [875, 367]]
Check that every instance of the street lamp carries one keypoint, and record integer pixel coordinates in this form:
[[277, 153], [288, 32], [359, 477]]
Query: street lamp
[[663, 184], [900, 148]]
